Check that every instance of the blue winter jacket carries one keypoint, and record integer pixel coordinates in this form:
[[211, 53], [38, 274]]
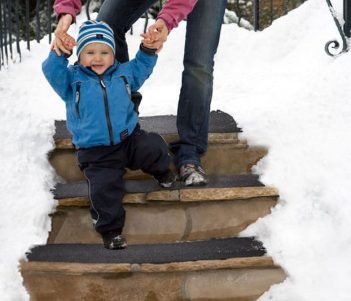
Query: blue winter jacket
[[99, 108]]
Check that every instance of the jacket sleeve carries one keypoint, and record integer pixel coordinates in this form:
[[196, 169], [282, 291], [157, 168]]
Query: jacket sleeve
[[175, 11], [58, 74], [71, 7], [141, 68]]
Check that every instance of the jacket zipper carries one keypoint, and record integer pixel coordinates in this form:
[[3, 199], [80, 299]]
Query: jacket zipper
[[127, 86], [77, 99], [107, 111]]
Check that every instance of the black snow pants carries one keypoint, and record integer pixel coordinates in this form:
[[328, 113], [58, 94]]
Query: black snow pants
[[104, 167]]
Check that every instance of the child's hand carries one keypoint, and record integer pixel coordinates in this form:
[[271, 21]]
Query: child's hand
[[156, 35]]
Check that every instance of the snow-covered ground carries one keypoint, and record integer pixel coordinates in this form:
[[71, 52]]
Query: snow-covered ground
[[281, 88]]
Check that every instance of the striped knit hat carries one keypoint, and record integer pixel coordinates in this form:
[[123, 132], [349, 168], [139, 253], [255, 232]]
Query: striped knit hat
[[95, 31]]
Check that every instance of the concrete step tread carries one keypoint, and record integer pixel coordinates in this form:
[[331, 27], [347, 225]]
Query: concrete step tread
[[220, 122], [220, 188], [143, 191], [222, 269], [215, 249]]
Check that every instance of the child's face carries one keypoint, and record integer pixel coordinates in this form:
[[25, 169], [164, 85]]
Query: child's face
[[97, 56]]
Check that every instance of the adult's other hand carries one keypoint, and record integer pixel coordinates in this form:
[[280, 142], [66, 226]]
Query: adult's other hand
[[155, 35]]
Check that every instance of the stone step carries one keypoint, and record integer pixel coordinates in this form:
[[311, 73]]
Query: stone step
[[219, 123], [222, 269], [223, 208], [226, 154], [220, 159]]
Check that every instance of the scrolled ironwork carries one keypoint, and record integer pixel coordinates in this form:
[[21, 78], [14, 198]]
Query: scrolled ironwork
[[334, 44]]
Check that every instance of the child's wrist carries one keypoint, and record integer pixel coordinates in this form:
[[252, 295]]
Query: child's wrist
[[151, 51]]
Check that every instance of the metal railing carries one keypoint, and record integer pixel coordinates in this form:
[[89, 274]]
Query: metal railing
[[333, 48], [31, 20], [347, 18], [23, 20]]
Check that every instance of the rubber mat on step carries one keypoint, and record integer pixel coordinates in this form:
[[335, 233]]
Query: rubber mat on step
[[80, 189], [220, 122], [153, 253]]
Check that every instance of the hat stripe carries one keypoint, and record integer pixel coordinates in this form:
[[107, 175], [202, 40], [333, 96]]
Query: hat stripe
[[94, 35], [84, 30], [95, 27]]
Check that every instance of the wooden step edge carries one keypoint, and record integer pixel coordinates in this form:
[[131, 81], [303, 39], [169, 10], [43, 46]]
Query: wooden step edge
[[218, 138], [183, 195], [97, 268], [223, 194]]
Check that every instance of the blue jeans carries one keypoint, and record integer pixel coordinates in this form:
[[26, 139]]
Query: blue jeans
[[201, 42]]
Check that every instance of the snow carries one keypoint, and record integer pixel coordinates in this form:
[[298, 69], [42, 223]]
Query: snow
[[281, 88]]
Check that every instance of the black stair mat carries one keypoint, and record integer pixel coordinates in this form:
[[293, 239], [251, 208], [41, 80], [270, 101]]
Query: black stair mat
[[220, 122], [80, 189], [214, 249]]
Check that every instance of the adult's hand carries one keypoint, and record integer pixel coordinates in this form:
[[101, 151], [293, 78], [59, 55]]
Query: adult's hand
[[155, 35], [63, 41]]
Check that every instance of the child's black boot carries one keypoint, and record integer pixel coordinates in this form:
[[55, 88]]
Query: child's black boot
[[166, 179], [114, 241]]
